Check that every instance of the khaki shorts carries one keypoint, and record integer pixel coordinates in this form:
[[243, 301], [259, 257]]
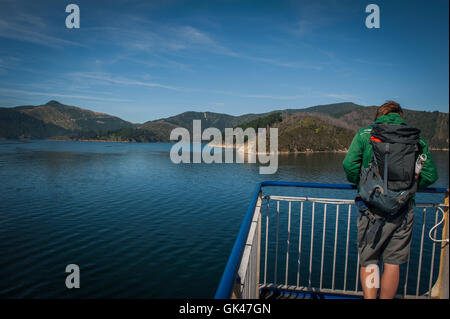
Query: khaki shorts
[[391, 245]]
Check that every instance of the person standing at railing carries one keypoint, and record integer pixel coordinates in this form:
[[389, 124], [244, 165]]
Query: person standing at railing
[[388, 161]]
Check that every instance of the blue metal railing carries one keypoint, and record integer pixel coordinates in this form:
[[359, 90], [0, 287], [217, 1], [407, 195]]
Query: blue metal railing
[[226, 285]]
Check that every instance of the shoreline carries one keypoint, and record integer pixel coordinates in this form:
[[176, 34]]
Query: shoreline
[[87, 140], [223, 146], [208, 144]]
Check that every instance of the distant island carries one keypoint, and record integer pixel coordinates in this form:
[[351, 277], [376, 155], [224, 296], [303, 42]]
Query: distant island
[[321, 128]]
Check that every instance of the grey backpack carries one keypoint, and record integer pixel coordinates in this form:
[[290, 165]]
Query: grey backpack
[[388, 184]]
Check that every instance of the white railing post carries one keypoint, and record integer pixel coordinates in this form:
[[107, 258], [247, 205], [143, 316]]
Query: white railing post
[[421, 250], [288, 243], [276, 243], [346, 249], [323, 243], [267, 240], [312, 245], [248, 271], [299, 244], [335, 246]]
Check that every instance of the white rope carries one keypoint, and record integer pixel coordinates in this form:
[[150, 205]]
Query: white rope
[[435, 226]]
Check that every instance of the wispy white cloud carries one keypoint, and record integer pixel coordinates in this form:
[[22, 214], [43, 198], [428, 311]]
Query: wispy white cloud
[[375, 63], [285, 64], [311, 94], [14, 92], [180, 41], [205, 41], [314, 15], [259, 96], [27, 27], [343, 97], [8, 63], [31, 33], [104, 78], [157, 62]]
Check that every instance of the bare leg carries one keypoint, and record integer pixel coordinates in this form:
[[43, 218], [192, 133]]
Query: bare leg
[[370, 279], [389, 281]]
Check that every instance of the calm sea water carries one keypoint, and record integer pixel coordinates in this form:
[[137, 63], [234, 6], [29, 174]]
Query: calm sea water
[[137, 225]]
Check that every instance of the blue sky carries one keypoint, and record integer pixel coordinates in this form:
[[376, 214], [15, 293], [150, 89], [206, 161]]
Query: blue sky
[[143, 60]]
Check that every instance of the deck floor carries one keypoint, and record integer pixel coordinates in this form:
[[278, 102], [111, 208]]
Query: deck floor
[[277, 293]]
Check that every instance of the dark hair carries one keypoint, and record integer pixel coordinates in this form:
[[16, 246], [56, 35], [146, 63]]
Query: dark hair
[[389, 107]]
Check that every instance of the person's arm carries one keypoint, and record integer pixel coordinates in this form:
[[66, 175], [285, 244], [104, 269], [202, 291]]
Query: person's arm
[[353, 160], [428, 174]]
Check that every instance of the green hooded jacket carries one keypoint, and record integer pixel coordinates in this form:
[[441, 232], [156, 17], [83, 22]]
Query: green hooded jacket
[[360, 153]]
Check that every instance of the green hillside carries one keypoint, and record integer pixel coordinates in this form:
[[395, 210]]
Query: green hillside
[[15, 124], [208, 119], [129, 134], [319, 131], [73, 118], [306, 132], [434, 126], [335, 110]]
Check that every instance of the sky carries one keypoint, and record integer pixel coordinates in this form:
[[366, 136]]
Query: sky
[[144, 60]]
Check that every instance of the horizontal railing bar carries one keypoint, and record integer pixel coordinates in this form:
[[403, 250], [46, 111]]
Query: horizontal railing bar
[[335, 201], [430, 205], [338, 186], [311, 199], [307, 185]]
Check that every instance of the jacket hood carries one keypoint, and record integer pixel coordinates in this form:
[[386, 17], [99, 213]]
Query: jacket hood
[[391, 118]]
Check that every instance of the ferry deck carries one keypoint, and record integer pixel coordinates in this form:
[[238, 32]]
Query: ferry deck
[[302, 247]]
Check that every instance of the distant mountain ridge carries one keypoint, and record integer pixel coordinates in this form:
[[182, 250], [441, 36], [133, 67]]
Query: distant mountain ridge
[[221, 121], [73, 118], [320, 127], [54, 119], [16, 124]]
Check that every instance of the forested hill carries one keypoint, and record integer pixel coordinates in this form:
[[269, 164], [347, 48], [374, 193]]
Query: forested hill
[[54, 119], [434, 126], [313, 129], [322, 127]]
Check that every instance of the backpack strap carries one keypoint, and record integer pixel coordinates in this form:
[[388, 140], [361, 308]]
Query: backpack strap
[[374, 234], [373, 230], [374, 161], [386, 161]]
